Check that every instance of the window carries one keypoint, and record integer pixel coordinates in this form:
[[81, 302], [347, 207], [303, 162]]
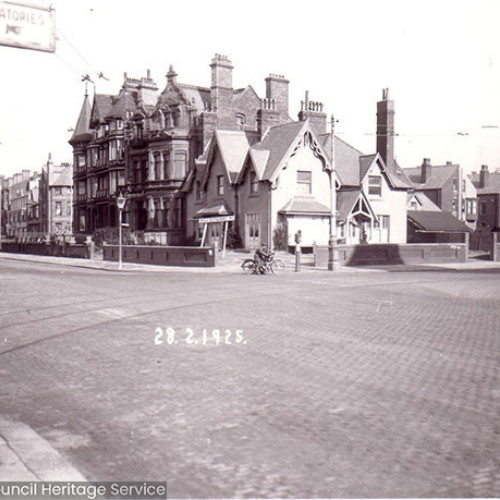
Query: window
[[414, 205], [254, 183], [482, 208], [304, 182], [220, 185], [112, 183], [58, 190], [198, 191], [58, 208], [240, 121], [471, 207], [180, 165], [375, 185], [166, 165], [158, 167], [455, 185], [384, 221]]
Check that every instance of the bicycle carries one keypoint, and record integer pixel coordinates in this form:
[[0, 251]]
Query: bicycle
[[272, 265]]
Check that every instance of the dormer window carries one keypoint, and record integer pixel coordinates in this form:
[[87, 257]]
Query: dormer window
[[375, 185]]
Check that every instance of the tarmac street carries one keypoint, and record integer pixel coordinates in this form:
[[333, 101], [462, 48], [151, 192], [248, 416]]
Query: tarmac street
[[227, 385]]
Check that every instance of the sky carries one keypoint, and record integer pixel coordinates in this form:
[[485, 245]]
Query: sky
[[440, 60]]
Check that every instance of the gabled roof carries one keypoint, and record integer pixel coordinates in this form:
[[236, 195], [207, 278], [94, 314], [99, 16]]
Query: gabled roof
[[121, 104], [101, 107], [347, 200], [436, 222], [82, 130], [233, 147], [302, 205], [346, 160], [278, 141], [440, 175], [365, 162]]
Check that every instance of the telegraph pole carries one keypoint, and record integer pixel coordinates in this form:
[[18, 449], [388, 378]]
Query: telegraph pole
[[332, 254]]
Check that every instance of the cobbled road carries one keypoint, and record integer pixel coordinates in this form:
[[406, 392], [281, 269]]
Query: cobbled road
[[312, 384]]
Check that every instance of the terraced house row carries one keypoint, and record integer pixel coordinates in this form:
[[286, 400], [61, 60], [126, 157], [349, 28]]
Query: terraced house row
[[203, 164]]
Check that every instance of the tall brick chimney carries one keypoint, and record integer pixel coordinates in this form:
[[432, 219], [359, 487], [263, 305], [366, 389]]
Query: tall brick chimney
[[313, 110], [425, 170], [277, 89], [483, 176], [221, 90], [385, 129], [267, 116]]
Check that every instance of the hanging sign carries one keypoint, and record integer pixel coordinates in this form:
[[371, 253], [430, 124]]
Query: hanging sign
[[27, 26]]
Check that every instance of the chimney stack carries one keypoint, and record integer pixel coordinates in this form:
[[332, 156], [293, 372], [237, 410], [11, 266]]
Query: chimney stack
[[483, 176], [221, 91], [277, 89], [426, 170], [313, 111], [385, 129]]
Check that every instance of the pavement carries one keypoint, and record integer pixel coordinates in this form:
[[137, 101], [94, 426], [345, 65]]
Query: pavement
[[231, 263], [26, 456]]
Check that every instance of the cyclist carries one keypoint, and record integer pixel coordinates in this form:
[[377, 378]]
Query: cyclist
[[261, 256]]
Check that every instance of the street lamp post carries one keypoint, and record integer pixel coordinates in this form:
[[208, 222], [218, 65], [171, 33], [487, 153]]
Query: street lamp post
[[120, 203]]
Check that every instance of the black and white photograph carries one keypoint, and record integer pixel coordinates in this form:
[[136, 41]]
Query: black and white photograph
[[249, 249]]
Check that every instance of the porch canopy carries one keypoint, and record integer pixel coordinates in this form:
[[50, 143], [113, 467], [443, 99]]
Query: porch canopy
[[214, 213], [308, 215]]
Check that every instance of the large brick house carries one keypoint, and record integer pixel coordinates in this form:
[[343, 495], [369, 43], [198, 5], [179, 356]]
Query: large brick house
[[192, 154], [148, 141], [279, 184]]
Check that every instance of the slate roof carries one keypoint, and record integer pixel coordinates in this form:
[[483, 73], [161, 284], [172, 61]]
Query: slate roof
[[120, 105], [345, 202], [346, 160], [101, 107], [425, 202], [431, 221], [492, 184], [365, 162], [82, 130], [278, 141], [233, 146], [305, 205], [440, 174]]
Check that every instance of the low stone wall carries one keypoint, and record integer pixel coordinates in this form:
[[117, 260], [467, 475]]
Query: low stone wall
[[65, 250], [386, 254], [163, 255], [495, 247]]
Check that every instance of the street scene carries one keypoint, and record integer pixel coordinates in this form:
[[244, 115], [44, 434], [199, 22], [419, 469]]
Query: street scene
[[249, 251], [373, 383]]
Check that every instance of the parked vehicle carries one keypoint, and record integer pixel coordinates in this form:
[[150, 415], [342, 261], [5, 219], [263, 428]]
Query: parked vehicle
[[272, 265]]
